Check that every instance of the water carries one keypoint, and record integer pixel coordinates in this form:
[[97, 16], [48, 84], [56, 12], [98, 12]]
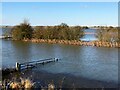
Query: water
[[89, 37], [95, 63]]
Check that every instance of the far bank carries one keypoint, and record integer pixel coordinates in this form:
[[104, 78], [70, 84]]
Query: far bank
[[76, 42]]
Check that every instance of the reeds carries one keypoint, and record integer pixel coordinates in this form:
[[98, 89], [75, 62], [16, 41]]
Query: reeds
[[80, 43]]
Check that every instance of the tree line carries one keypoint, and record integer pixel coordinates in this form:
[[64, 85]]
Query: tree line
[[61, 32]]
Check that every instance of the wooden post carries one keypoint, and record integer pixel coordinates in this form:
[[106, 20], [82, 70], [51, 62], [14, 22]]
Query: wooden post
[[18, 66], [54, 59], [43, 63], [57, 59], [27, 66]]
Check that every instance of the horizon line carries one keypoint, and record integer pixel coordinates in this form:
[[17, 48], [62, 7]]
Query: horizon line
[[67, 24]]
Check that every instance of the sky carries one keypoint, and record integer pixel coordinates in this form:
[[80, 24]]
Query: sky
[[60, 0], [54, 13]]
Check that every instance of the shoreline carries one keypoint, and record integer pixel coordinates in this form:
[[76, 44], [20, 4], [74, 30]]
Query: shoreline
[[66, 80], [76, 42]]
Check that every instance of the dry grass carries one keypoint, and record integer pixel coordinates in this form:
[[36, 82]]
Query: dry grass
[[51, 86], [28, 84], [15, 85], [81, 43], [23, 83]]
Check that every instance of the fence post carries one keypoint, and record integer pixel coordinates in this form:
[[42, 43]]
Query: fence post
[[18, 66]]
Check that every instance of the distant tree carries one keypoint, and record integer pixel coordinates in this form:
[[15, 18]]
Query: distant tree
[[109, 34], [38, 32], [118, 33], [16, 33], [63, 25], [77, 32], [61, 32], [22, 31], [85, 27], [99, 35]]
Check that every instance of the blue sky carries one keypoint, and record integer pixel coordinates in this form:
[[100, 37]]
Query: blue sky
[[54, 13]]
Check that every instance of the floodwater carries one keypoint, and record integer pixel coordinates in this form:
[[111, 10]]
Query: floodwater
[[92, 63]]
